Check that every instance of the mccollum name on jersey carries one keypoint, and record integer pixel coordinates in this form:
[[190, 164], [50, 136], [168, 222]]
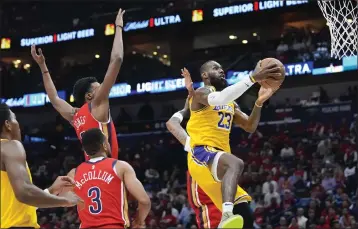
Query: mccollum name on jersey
[[94, 175]]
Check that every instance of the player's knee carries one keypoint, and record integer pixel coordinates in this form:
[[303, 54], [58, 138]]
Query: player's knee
[[240, 163], [228, 161]]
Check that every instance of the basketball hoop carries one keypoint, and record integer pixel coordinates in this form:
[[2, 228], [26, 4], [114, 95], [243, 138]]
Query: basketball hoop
[[341, 16]]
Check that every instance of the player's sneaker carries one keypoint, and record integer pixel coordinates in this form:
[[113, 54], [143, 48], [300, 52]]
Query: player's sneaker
[[231, 221]]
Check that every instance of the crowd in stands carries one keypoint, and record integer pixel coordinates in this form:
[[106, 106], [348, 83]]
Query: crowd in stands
[[300, 45]]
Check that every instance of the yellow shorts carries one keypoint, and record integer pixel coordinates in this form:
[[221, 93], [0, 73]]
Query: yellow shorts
[[200, 172]]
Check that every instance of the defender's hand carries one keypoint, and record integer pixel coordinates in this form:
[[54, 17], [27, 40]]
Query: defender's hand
[[188, 82], [269, 71], [40, 59], [119, 19], [61, 182]]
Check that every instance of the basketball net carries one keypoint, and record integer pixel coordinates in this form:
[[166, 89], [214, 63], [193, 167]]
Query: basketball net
[[341, 16]]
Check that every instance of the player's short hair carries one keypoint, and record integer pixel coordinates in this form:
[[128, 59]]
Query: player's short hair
[[204, 67], [92, 141], [4, 114], [81, 87]]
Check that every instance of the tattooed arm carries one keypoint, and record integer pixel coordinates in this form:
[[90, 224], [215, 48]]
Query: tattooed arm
[[247, 123], [174, 127]]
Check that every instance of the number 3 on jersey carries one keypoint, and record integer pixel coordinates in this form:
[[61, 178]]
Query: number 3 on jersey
[[225, 120], [95, 194]]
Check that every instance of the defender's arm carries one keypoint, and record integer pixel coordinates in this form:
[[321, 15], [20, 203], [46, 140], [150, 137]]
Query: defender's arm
[[114, 64], [62, 107], [134, 187]]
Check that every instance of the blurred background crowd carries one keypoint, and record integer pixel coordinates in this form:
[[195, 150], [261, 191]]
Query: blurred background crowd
[[300, 164]]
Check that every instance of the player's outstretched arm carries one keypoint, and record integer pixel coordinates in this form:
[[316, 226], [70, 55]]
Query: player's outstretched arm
[[207, 97], [174, 127], [64, 108], [114, 64], [14, 158], [250, 123], [136, 189]]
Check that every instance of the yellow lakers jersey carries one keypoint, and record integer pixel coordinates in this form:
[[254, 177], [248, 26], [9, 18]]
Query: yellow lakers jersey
[[211, 126], [14, 213]]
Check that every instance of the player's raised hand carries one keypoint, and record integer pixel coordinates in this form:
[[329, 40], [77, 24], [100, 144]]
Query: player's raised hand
[[119, 19], [39, 58], [188, 81], [61, 183], [269, 71], [264, 94]]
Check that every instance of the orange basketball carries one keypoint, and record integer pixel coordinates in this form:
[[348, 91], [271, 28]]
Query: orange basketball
[[276, 82]]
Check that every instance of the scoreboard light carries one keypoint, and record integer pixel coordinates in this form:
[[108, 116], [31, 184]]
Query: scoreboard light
[[197, 15], [109, 29], [5, 43]]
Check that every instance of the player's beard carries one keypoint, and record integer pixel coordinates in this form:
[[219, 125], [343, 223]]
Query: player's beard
[[218, 83]]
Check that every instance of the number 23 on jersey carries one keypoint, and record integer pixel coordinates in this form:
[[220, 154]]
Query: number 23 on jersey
[[225, 120]]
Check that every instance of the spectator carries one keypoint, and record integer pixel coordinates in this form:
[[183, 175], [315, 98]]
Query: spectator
[[283, 223], [293, 224], [324, 147], [266, 185], [322, 224], [345, 220], [284, 183], [328, 182], [281, 48], [288, 200], [266, 150], [297, 45], [185, 215], [270, 195], [301, 219], [351, 155], [311, 218], [300, 188], [151, 174], [169, 216], [287, 152]]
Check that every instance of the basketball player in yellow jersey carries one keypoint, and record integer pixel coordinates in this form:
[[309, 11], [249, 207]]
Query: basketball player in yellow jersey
[[19, 197], [212, 112]]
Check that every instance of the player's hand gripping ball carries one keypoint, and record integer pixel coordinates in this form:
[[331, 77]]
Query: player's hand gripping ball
[[273, 82]]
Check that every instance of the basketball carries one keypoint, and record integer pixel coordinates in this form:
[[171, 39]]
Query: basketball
[[278, 80]]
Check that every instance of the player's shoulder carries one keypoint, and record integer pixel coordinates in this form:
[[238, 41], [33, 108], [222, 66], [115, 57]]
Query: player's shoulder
[[122, 164], [12, 148], [11, 144], [205, 89]]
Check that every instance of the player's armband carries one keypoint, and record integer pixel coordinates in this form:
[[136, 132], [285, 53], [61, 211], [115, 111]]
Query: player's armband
[[179, 116]]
